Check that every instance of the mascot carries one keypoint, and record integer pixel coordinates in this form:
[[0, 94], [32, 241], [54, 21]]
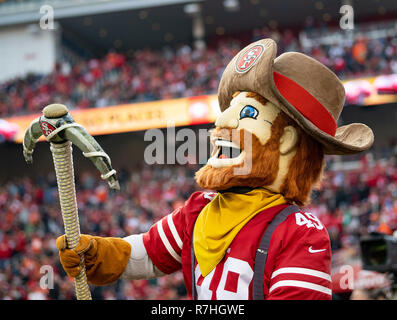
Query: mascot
[[249, 239]]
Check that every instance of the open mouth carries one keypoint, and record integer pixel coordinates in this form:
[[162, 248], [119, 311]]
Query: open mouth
[[227, 153], [227, 149]]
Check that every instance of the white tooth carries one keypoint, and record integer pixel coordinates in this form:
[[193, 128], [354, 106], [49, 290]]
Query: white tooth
[[225, 143]]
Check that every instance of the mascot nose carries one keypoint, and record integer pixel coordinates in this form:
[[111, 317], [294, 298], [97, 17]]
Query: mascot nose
[[225, 121]]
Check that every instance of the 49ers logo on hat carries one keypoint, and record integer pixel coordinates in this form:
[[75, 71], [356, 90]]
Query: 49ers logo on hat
[[46, 128], [249, 58]]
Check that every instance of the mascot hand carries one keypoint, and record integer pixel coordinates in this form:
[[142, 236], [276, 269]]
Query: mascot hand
[[105, 258]]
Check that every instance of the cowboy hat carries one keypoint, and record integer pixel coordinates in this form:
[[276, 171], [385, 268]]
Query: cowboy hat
[[303, 88]]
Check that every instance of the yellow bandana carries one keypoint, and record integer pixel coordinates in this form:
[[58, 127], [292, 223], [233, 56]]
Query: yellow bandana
[[221, 219]]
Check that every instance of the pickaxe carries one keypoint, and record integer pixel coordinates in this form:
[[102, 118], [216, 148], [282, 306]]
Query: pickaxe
[[59, 128]]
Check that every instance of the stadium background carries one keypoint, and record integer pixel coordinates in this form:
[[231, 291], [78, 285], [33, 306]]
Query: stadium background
[[123, 67]]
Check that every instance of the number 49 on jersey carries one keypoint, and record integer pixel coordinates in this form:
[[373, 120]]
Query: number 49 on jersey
[[308, 219]]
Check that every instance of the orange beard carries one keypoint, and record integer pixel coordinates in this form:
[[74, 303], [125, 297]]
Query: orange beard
[[305, 169], [263, 160]]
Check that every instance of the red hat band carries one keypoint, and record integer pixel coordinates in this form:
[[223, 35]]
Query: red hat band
[[305, 103]]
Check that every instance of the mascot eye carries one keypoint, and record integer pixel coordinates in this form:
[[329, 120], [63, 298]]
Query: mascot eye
[[248, 112]]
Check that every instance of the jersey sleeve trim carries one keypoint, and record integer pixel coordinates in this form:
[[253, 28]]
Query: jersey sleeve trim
[[304, 271], [303, 278], [301, 284], [166, 243], [174, 232]]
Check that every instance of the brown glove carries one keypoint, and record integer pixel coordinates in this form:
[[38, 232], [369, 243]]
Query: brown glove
[[105, 258]]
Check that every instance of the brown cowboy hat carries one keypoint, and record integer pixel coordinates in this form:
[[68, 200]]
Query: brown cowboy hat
[[302, 87]]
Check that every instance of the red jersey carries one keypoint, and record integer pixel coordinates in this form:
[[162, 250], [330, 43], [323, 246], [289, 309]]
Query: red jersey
[[298, 265]]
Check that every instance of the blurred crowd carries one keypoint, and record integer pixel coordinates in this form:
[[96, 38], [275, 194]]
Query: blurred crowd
[[357, 201], [179, 71], [119, 78], [31, 221], [349, 58], [350, 202]]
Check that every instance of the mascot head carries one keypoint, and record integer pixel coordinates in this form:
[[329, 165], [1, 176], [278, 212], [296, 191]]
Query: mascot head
[[279, 118]]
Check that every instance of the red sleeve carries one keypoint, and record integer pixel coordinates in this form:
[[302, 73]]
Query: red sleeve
[[300, 260], [165, 239]]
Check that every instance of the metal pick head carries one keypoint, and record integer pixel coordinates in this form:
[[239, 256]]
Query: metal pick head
[[58, 126]]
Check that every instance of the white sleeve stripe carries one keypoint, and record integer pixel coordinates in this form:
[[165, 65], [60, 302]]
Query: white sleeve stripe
[[166, 242], [174, 231], [305, 271], [300, 284]]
